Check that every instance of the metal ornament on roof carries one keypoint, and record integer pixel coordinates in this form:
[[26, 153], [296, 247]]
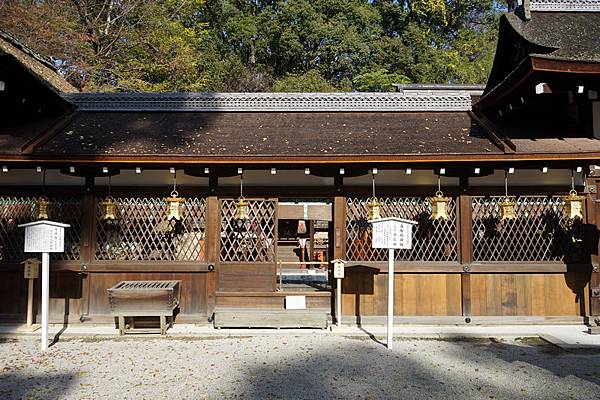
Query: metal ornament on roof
[[41, 208], [574, 203], [507, 206], [373, 205], [175, 203], [241, 215], [109, 209], [439, 204], [109, 206], [41, 204]]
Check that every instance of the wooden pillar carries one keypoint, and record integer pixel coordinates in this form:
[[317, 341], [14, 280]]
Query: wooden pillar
[[339, 243], [212, 236], [339, 228], [465, 253], [593, 220], [88, 243]]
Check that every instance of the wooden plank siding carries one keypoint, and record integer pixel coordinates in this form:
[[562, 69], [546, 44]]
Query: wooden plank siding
[[524, 295], [364, 294]]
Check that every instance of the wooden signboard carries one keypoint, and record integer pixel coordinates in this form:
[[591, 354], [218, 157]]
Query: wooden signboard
[[44, 237], [392, 233]]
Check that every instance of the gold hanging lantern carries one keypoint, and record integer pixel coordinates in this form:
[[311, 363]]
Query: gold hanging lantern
[[175, 206], [109, 209], [439, 206], [507, 209], [41, 208], [241, 209], [374, 209], [574, 205]]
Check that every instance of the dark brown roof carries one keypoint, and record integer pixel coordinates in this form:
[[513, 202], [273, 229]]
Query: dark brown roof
[[569, 36], [40, 66], [561, 36], [269, 133]]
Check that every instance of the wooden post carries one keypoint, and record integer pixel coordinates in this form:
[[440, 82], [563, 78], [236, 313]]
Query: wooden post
[[29, 303], [212, 237], [390, 316], [338, 303], [465, 253], [339, 247], [45, 298], [593, 219]]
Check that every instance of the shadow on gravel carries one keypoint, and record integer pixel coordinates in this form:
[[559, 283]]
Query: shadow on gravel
[[549, 357], [360, 369], [15, 385]]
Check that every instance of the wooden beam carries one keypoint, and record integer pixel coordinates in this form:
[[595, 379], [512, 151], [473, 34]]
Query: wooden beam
[[262, 161], [40, 140], [568, 67], [137, 266], [502, 142]]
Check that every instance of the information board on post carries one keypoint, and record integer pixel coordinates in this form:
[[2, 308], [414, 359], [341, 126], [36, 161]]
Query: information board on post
[[392, 233], [44, 237]]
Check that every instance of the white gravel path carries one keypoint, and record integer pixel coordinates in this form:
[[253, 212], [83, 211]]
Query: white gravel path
[[287, 366]]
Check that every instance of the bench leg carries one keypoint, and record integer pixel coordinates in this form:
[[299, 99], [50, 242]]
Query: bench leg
[[163, 325], [121, 325]]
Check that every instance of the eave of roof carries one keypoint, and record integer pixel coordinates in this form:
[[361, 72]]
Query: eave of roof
[[415, 101], [35, 63]]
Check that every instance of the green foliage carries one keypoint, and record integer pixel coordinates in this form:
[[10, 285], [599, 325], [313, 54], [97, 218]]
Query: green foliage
[[378, 81], [311, 81], [260, 45]]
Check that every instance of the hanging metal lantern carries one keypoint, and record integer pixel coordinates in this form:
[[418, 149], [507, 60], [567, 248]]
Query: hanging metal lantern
[[374, 209], [241, 209], [439, 206], [574, 205], [41, 208], [175, 206], [507, 209], [109, 209]]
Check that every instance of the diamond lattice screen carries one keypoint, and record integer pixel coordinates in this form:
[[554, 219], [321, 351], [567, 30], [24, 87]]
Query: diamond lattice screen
[[254, 243], [538, 233], [20, 210], [143, 233], [432, 240]]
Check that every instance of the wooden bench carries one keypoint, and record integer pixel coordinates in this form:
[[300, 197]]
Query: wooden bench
[[130, 299]]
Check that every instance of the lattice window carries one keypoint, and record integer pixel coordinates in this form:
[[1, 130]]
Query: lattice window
[[255, 243], [538, 233], [432, 240], [143, 233], [20, 210]]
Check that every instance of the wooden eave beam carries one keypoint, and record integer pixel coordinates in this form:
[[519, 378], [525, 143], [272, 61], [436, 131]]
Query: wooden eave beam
[[525, 70], [289, 161], [43, 138], [503, 143], [512, 81], [561, 66]]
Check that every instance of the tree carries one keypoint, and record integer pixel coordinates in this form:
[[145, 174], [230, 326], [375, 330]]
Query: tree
[[259, 45]]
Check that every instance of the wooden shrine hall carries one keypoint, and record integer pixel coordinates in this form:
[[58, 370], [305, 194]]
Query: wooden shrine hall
[[245, 198]]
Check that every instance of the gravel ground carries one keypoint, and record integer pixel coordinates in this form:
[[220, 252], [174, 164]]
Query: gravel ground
[[289, 366]]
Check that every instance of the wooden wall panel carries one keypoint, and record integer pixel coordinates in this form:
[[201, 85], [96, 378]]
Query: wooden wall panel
[[192, 292], [13, 293], [365, 294], [525, 295], [247, 277]]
